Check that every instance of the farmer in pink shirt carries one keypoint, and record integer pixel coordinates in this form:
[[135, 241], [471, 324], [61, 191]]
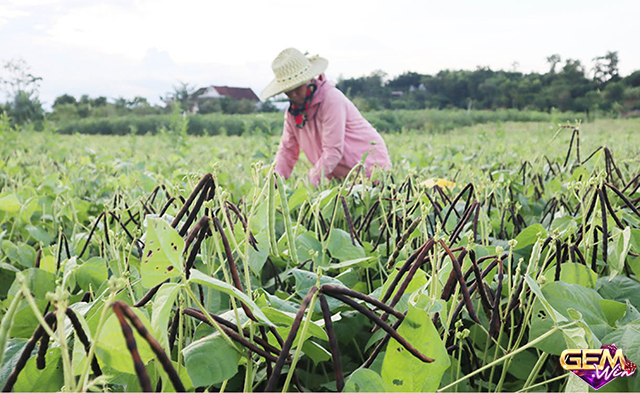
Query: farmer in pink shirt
[[321, 121]]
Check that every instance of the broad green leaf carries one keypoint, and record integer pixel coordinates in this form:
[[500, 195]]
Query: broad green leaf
[[522, 364], [12, 353], [257, 259], [161, 310], [306, 247], [573, 273], [79, 353], [561, 297], [9, 203], [48, 263], [7, 323], [25, 322], [634, 264], [29, 208], [162, 256], [620, 288], [541, 323], [259, 220], [340, 247], [70, 267], [50, 379], [298, 197], [635, 240], [624, 243], [566, 224], [22, 254], [535, 288], [39, 234], [345, 264], [613, 310], [305, 280], [326, 196], [631, 315], [417, 282], [364, 380], [285, 319], [38, 281], [401, 370], [92, 273], [198, 277], [618, 253], [350, 278], [530, 235], [628, 339], [275, 302], [182, 373], [316, 352], [584, 300], [112, 348], [575, 384], [578, 336], [7, 276], [210, 360]]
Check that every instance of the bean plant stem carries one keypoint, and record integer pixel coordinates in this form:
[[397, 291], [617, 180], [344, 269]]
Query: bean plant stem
[[249, 375], [459, 359], [508, 362], [453, 302], [510, 355], [69, 380], [271, 211], [81, 387], [545, 382], [536, 369], [229, 281], [495, 352], [37, 312], [180, 329], [303, 336], [213, 323]]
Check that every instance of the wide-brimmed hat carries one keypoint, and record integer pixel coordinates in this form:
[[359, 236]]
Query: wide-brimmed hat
[[292, 69]]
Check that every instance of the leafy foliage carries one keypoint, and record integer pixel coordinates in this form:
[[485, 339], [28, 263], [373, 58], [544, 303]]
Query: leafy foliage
[[168, 278]]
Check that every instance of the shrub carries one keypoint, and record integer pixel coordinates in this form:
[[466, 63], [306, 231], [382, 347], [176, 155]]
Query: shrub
[[430, 120]]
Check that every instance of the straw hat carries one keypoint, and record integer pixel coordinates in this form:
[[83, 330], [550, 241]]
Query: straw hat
[[292, 69]]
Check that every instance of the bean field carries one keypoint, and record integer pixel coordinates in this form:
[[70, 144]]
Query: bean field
[[174, 262]]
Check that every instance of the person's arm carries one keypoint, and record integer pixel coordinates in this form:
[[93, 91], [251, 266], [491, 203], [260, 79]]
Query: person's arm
[[333, 125], [288, 151]]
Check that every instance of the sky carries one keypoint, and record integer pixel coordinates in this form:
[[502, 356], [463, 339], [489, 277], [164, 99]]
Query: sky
[[118, 48]]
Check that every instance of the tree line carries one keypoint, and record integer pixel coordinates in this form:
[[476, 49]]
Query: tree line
[[568, 85]]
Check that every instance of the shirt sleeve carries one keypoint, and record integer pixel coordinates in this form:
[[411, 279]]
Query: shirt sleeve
[[288, 151], [333, 124]]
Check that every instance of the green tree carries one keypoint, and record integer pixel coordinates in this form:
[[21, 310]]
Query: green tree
[[26, 108], [267, 106], [182, 93], [63, 100], [553, 60], [633, 80], [605, 68], [21, 87]]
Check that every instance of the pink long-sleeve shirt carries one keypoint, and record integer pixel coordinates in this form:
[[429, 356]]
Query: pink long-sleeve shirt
[[334, 138]]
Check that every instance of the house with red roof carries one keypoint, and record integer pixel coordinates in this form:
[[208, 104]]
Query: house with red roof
[[236, 93]]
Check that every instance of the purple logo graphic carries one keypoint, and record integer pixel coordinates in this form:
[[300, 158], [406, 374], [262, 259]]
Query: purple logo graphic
[[597, 367]]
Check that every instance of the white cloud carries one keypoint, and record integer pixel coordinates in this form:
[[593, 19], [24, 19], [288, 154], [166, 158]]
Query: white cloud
[[7, 12], [142, 47]]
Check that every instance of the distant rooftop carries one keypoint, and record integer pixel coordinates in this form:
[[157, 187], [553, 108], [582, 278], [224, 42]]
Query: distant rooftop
[[237, 93]]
